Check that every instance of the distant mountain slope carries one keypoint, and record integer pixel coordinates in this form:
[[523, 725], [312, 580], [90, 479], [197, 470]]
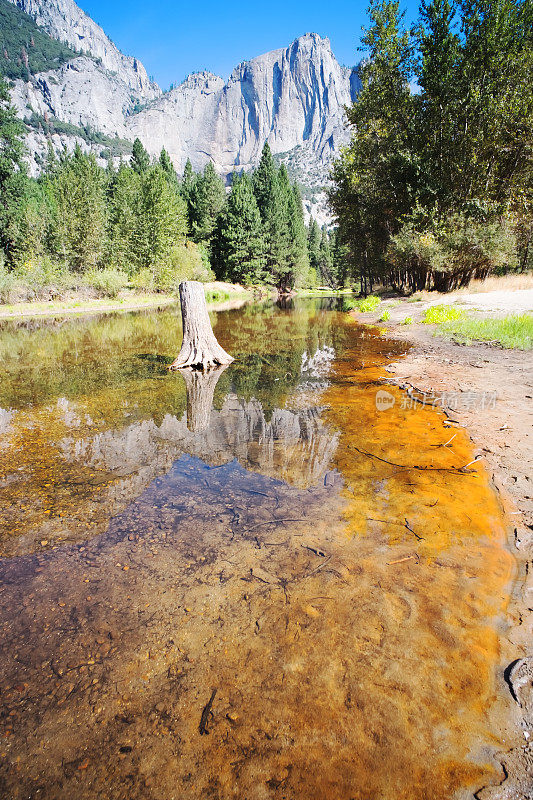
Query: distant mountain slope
[[293, 97], [24, 48], [65, 21]]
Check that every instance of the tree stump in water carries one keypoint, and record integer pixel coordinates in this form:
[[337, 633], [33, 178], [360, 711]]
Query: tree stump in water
[[199, 349]]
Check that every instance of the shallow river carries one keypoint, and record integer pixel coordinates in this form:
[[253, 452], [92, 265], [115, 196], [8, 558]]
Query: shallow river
[[250, 584]]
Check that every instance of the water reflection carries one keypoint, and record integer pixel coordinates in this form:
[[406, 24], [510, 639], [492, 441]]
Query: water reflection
[[267, 533]]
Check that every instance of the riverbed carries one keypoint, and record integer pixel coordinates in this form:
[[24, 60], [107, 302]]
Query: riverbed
[[284, 579]]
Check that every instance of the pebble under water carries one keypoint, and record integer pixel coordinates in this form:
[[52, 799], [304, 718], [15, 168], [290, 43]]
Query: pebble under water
[[246, 584]]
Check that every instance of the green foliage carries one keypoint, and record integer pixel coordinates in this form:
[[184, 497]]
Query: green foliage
[[385, 316], [206, 198], [7, 281], [111, 145], [513, 331], [77, 193], [140, 160], [161, 220], [368, 304], [365, 305], [108, 282], [448, 255], [13, 181], [25, 48], [439, 314], [239, 244], [408, 321], [435, 186], [184, 263]]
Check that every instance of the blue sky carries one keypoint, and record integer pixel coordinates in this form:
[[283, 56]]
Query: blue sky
[[173, 39]]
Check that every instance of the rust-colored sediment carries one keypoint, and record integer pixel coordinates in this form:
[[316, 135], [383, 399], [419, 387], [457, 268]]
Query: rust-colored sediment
[[347, 615]]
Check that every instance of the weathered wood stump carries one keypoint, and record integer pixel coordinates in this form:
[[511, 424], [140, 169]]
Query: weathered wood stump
[[199, 349]]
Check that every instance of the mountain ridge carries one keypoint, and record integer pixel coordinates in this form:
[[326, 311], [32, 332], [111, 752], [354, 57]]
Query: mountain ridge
[[293, 97]]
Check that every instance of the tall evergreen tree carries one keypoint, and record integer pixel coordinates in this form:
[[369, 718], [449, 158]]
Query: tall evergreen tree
[[140, 160], [324, 261], [79, 187], [167, 165], [162, 219], [123, 218], [206, 200], [13, 182], [239, 240], [298, 259], [313, 245], [263, 180]]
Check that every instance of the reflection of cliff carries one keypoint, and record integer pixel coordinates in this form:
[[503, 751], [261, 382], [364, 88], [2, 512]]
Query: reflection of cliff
[[294, 446]]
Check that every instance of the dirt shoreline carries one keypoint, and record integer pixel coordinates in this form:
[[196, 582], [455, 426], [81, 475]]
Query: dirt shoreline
[[79, 304], [489, 391]]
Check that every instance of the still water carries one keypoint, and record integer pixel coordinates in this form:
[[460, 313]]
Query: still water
[[251, 584]]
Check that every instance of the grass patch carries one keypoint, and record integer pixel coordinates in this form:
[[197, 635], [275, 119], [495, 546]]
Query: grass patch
[[366, 304], [216, 296], [513, 332], [440, 314], [384, 317]]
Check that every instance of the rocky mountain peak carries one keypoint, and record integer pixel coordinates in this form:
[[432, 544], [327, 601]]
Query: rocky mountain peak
[[64, 20]]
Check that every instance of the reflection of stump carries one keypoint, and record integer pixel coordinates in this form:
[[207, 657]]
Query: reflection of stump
[[199, 348], [200, 390]]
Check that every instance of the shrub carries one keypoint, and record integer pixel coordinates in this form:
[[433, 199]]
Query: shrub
[[38, 273], [187, 262], [144, 279], [408, 321], [369, 303], [438, 314], [7, 281], [107, 281], [384, 317], [452, 252]]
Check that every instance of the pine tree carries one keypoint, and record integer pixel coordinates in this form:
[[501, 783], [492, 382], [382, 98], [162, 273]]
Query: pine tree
[[263, 180], [123, 219], [188, 180], [239, 243], [162, 219], [167, 165], [140, 160], [79, 188], [298, 259], [206, 200], [324, 260], [313, 245], [339, 259], [13, 181]]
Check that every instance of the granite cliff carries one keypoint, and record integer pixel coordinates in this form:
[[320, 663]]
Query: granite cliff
[[293, 98]]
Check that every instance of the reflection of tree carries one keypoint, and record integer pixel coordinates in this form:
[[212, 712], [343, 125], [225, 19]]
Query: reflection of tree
[[200, 389]]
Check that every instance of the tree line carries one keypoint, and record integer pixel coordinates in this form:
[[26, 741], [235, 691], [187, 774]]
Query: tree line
[[436, 187], [142, 224]]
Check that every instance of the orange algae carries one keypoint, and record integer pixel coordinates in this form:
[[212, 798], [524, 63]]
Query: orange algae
[[255, 558]]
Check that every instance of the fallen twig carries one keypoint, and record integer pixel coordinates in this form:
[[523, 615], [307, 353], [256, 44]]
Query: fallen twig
[[323, 564], [415, 466], [315, 550], [399, 560], [270, 522], [206, 715]]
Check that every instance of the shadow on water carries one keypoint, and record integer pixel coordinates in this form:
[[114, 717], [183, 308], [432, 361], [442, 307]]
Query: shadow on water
[[262, 530]]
